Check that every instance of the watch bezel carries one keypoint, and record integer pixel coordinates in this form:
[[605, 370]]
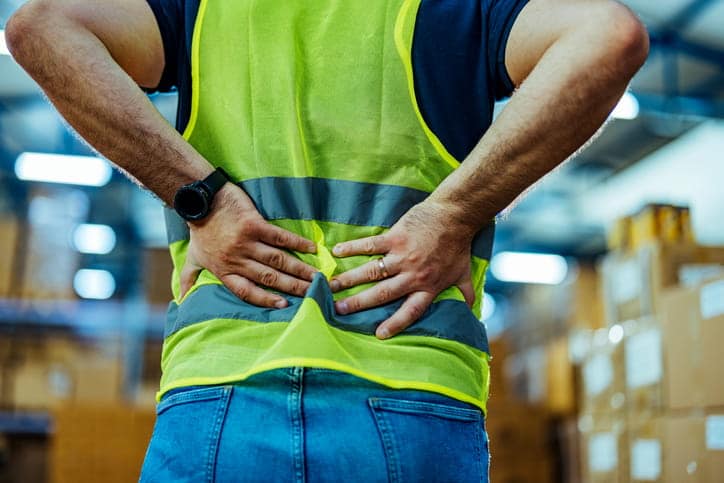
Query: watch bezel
[[199, 189]]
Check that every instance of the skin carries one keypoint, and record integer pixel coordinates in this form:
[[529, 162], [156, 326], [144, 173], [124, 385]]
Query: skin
[[571, 61]]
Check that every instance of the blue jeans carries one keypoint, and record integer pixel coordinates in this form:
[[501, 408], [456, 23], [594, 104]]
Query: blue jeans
[[315, 425]]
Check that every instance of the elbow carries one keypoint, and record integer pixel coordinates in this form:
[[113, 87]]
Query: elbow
[[626, 44], [25, 28]]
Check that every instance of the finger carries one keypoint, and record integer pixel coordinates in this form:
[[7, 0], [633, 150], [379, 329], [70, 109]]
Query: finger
[[382, 293], [249, 292], [279, 237], [411, 310], [371, 271], [364, 246], [466, 287], [273, 278], [284, 262], [189, 274]]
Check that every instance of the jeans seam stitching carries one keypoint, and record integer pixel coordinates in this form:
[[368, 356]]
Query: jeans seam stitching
[[295, 410], [393, 472], [197, 395], [433, 409], [215, 434]]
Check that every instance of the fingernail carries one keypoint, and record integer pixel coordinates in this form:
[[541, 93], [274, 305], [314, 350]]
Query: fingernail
[[280, 304], [337, 250], [383, 333], [342, 307], [334, 285]]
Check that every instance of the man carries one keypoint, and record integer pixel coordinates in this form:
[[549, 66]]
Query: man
[[341, 126]]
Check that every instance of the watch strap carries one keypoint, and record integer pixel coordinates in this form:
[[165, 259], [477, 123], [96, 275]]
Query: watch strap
[[215, 181]]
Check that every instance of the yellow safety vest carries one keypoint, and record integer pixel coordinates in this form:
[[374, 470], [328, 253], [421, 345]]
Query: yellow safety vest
[[311, 108]]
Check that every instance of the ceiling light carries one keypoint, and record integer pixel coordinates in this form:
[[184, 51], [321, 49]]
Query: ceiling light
[[627, 107], [94, 284], [62, 168], [95, 239], [3, 45], [523, 267]]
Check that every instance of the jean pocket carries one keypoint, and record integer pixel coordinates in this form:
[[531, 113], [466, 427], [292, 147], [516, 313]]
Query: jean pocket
[[186, 436], [431, 441]]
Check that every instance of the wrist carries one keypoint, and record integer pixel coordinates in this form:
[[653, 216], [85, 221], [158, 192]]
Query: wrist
[[195, 201], [453, 215]]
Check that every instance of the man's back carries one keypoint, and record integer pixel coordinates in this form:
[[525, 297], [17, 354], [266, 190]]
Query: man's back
[[575, 60]]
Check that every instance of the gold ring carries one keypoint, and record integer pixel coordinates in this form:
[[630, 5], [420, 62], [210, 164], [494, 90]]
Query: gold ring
[[383, 269]]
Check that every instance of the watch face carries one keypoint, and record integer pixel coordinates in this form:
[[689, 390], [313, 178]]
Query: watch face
[[191, 202]]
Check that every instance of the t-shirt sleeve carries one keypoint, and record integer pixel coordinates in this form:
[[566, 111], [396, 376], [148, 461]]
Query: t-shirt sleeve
[[168, 15], [501, 15]]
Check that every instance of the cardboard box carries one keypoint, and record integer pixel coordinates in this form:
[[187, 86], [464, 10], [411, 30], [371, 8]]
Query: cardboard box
[[9, 236], [94, 443], [693, 321], [646, 449], [560, 382], [525, 372], [157, 275], [499, 393], [646, 378], [632, 282], [677, 448], [526, 469], [605, 449], [586, 300], [50, 260], [684, 449], [602, 374], [49, 372], [518, 429]]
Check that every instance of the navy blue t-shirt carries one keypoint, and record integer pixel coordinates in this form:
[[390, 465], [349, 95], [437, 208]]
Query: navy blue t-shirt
[[458, 58]]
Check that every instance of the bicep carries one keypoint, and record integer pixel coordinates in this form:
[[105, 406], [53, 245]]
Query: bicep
[[129, 31], [539, 25]]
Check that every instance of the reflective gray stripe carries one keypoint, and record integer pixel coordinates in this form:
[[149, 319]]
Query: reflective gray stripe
[[176, 227], [349, 202], [446, 319]]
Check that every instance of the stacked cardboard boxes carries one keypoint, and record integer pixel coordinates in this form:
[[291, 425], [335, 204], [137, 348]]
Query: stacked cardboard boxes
[[535, 367], [48, 258], [40, 373], [652, 394], [9, 235], [518, 432]]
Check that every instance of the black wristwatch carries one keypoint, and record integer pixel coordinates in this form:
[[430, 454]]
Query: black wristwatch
[[193, 201]]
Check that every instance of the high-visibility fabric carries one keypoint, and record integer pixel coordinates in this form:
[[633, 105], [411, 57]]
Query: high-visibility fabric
[[310, 107]]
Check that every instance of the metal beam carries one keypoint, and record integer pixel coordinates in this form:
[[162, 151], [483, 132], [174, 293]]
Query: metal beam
[[681, 105], [687, 15], [671, 41]]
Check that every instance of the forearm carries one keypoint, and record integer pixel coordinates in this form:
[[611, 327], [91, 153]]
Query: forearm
[[103, 103], [561, 104]]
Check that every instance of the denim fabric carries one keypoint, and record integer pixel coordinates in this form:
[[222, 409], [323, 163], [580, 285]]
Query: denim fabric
[[314, 425]]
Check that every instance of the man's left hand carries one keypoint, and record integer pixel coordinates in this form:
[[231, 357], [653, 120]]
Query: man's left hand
[[424, 253]]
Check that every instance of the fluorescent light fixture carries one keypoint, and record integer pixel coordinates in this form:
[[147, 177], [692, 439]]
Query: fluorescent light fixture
[[3, 45], [627, 107], [524, 267], [94, 284], [62, 168], [488, 307], [96, 239]]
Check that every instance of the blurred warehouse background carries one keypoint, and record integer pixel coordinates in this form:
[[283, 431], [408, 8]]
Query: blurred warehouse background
[[607, 330]]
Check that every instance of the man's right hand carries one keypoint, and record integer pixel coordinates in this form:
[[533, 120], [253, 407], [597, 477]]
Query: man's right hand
[[244, 251]]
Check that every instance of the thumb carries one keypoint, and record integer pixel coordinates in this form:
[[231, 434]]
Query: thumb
[[466, 287], [189, 274]]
